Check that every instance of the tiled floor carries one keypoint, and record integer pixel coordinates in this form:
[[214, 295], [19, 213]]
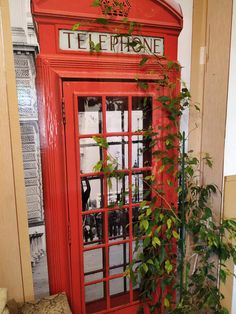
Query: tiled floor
[[40, 278]]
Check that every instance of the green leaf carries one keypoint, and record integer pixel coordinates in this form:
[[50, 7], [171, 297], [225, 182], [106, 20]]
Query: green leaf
[[166, 303], [223, 275], [197, 108], [208, 213], [98, 167], [109, 183], [97, 47], [168, 267], [143, 85], [76, 27], [145, 267], [102, 20], [101, 141], [161, 217], [96, 3], [143, 61], [156, 241], [144, 224], [170, 64], [175, 235], [162, 254], [161, 169], [163, 99], [148, 211], [224, 311], [169, 223], [146, 242], [169, 182]]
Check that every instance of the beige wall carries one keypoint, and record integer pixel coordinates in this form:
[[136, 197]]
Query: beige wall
[[212, 25], [229, 212], [212, 20], [15, 268]]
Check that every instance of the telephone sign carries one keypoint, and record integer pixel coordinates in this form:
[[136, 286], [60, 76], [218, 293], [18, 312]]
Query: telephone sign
[[108, 42]]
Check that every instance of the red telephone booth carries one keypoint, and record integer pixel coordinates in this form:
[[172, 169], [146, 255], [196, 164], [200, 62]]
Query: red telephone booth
[[83, 94]]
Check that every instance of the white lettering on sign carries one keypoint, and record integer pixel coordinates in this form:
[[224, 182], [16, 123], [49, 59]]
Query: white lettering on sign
[[84, 41]]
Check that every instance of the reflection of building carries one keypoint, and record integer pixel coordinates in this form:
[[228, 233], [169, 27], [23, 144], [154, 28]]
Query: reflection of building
[[25, 48]]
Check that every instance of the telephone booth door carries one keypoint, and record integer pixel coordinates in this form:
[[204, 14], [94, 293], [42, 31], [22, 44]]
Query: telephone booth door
[[104, 125]]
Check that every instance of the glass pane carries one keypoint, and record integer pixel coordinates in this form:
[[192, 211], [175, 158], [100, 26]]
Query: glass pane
[[141, 113], [92, 193], [94, 292], [118, 258], [141, 153], [135, 215], [90, 115], [94, 276], [118, 149], [118, 224], [119, 288], [93, 264], [90, 154], [118, 191], [140, 189], [117, 114], [93, 228]]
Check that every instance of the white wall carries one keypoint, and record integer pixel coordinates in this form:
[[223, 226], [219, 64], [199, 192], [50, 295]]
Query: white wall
[[230, 141], [184, 50]]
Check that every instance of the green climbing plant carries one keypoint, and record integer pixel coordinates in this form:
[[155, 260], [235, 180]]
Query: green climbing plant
[[181, 248]]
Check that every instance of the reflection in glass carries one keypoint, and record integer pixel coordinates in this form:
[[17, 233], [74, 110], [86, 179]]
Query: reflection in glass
[[93, 262], [93, 276], [117, 286], [118, 224], [118, 262], [141, 113], [118, 258], [118, 191], [90, 154], [135, 220], [118, 149], [117, 114], [140, 189], [92, 193], [141, 153], [93, 228], [94, 292], [90, 115]]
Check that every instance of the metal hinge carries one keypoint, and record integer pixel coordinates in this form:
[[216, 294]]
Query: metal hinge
[[63, 110], [69, 233]]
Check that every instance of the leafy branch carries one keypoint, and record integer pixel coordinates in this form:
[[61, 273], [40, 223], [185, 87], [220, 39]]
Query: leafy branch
[[181, 250]]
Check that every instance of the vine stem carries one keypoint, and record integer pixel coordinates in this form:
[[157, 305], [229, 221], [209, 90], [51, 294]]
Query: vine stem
[[182, 236], [164, 199]]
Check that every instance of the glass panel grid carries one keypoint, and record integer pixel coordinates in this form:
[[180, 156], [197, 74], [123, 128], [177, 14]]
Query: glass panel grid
[[126, 141]]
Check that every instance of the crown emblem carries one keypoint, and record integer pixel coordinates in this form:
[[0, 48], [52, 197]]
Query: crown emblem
[[115, 7]]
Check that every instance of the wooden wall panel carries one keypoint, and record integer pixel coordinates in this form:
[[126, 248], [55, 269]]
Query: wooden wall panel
[[15, 268], [212, 20]]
